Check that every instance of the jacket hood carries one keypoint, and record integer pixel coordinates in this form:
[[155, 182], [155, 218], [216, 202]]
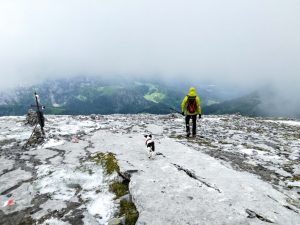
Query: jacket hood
[[192, 92]]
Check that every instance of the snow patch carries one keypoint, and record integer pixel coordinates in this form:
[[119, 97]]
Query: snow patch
[[52, 143], [294, 184], [287, 122], [6, 164], [12, 178], [247, 151], [54, 221], [101, 206], [64, 183], [49, 206]]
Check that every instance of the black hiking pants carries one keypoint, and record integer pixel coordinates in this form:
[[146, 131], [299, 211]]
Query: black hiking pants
[[187, 123]]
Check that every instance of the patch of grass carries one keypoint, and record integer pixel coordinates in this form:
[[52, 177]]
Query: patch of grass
[[90, 171], [179, 137], [296, 178], [108, 90], [81, 98], [107, 161], [119, 189], [254, 147], [84, 169], [223, 142], [56, 110], [155, 97], [206, 142], [255, 130], [294, 202], [97, 191], [212, 102], [225, 119], [128, 209], [246, 145], [291, 136]]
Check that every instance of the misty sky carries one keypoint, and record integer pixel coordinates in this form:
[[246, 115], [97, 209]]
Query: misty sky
[[239, 42]]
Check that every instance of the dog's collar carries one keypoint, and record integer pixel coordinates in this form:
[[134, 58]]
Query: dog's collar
[[148, 140]]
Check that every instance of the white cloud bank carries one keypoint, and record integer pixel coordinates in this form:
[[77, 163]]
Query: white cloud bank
[[240, 42]]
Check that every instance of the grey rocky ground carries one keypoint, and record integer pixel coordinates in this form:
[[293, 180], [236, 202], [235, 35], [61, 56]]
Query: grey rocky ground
[[237, 170]]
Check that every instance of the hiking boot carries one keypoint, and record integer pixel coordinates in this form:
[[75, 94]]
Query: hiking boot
[[194, 135], [188, 134]]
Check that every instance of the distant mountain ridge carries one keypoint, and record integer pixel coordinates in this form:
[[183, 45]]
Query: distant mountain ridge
[[245, 105], [264, 103], [85, 95], [90, 95]]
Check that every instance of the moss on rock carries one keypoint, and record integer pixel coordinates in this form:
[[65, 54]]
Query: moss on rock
[[296, 178], [128, 209], [110, 165], [107, 161], [119, 189]]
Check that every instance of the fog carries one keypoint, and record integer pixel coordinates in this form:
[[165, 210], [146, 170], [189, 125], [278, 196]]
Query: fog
[[242, 43]]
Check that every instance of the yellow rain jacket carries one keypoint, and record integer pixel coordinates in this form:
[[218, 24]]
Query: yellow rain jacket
[[191, 93]]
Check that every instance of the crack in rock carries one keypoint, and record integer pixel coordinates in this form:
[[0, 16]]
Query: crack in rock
[[252, 214], [126, 175], [5, 192], [7, 171], [69, 213], [194, 176], [59, 153], [90, 145], [286, 206], [238, 163], [290, 208], [23, 217], [159, 153]]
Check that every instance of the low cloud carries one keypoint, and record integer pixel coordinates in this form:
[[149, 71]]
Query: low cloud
[[245, 44]]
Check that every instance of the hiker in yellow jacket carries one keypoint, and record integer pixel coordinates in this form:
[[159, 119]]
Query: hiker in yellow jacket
[[190, 107]]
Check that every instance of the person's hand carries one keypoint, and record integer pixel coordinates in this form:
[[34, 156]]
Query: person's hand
[[182, 113], [199, 116]]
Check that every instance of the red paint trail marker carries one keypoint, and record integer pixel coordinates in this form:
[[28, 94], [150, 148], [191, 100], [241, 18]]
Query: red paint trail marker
[[9, 202], [75, 139]]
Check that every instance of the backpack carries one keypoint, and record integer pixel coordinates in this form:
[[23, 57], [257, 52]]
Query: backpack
[[191, 104]]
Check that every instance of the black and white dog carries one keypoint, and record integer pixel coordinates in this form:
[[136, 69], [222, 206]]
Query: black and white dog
[[150, 145]]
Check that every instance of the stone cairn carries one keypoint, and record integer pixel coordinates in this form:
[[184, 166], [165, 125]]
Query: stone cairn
[[36, 137], [31, 118]]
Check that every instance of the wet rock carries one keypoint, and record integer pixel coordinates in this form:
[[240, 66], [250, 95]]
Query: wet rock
[[253, 162], [116, 221], [252, 214], [127, 174], [95, 117], [126, 198]]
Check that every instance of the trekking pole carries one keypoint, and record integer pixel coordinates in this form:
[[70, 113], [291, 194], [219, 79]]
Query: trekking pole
[[39, 113], [25, 146], [170, 107], [175, 110]]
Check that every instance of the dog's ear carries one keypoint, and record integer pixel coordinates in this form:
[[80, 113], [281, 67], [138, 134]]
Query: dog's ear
[[150, 135], [145, 136]]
